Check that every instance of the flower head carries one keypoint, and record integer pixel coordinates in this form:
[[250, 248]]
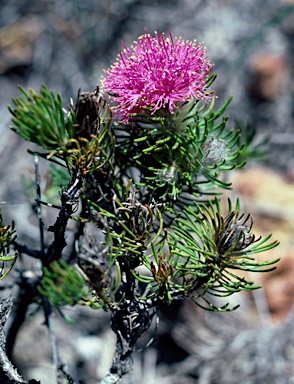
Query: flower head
[[157, 72], [233, 234], [214, 151]]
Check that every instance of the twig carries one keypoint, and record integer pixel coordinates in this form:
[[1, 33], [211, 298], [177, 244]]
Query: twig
[[53, 342], [21, 248], [38, 199], [69, 199], [66, 375], [8, 368], [25, 298]]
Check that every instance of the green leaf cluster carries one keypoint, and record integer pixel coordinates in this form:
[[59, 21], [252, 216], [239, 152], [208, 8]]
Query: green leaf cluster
[[62, 284], [173, 153], [7, 237], [200, 254], [142, 185], [40, 119]]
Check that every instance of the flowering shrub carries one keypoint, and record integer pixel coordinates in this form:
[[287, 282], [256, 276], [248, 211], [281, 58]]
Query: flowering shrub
[[145, 173]]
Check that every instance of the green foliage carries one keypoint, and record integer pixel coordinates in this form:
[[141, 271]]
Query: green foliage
[[211, 245], [92, 145], [184, 151], [200, 254], [7, 237], [40, 119], [84, 155], [7, 234], [142, 187], [69, 136], [62, 284]]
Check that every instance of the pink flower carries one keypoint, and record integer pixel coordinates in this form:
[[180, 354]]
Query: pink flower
[[157, 72]]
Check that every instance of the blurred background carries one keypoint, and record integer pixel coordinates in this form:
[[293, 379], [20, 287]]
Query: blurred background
[[66, 44]]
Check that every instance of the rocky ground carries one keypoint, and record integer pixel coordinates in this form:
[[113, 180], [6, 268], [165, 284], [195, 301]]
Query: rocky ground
[[65, 44]]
